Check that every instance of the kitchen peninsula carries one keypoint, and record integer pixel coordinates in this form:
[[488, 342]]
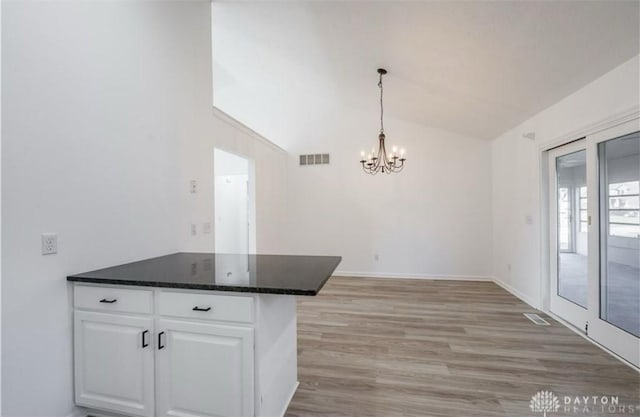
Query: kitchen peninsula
[[192, 334]]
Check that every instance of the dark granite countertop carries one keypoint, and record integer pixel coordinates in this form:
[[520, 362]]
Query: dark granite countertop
[[275, 274]]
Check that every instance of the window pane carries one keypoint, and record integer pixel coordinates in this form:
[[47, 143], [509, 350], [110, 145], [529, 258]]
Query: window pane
[[624, 202], [624, 230], [624, 216], [583, 192], [583, 215], [619, 161], [564, 219], [624, 188]]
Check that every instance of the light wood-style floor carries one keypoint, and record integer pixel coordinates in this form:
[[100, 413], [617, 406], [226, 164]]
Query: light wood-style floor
[[376, 347]]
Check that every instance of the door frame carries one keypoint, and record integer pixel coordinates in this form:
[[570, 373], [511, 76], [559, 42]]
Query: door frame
[[629, 115]]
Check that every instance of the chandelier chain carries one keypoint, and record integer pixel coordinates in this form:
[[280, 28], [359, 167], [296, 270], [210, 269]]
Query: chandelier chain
[[381, 105]]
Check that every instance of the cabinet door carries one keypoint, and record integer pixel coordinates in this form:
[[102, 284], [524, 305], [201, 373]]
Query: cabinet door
[[204, 370], [113, 367]]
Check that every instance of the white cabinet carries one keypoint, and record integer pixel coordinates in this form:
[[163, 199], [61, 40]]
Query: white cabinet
[[183, 353], [114, 362], [204, 369]]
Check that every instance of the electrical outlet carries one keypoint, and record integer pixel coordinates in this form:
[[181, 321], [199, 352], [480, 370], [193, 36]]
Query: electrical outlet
[[193, 186], [49, 243], [206, 228], [376, 257], [194, 230]]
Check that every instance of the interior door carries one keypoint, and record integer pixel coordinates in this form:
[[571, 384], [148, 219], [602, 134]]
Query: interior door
[[569, 233], [614, 270], [114, 362], [204, 370]]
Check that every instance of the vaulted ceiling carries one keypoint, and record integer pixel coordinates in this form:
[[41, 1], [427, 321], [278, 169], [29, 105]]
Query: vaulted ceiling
[[477, 68]]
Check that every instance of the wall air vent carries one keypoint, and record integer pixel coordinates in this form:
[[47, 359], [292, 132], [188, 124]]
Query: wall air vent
[[315, 159], [536, 319]]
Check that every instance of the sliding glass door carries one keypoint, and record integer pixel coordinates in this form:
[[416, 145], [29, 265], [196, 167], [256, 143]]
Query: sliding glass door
[[594, 219]]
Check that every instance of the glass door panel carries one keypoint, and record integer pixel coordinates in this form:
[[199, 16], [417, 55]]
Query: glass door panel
[[571, 171], [613, 170], [619, 177], [568, 233]]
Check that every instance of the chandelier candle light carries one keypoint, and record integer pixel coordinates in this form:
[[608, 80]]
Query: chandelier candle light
[[382, 161]]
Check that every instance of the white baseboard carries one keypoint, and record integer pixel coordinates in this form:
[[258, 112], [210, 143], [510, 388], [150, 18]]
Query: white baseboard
[[358, 274], [528, 300]]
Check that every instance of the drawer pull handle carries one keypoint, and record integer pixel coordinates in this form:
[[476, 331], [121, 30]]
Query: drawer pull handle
[[104, 300], [160, 345], [196, 308], [144, 339]]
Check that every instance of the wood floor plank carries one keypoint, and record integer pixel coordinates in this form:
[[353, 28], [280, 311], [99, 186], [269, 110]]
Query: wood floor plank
[[407, 348]]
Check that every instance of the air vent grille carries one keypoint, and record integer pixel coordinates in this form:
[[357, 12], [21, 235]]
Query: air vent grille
[[315, 159], [536, 319]]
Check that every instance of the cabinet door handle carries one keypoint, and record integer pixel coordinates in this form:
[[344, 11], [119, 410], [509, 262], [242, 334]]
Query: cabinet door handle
[[113, 300], [196, 308], [144, 339], [160, 345]]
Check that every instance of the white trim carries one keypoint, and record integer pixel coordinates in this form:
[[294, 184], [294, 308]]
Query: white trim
[[590, 129], [235, 123], [526, 299], [359, 274], [293, 392]]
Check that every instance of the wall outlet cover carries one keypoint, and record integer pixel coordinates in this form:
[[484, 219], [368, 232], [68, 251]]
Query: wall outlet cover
[[49, 243]]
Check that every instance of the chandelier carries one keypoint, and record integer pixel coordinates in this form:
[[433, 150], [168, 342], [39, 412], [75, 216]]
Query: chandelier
[[381, 161]]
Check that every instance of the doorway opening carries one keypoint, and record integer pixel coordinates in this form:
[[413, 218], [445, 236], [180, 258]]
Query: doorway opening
[[234, 203]]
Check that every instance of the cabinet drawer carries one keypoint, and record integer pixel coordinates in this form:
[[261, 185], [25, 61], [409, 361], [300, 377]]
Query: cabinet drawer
[[206, 306], [113, 299]]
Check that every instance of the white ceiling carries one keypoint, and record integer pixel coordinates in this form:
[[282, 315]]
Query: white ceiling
[[477, 68]]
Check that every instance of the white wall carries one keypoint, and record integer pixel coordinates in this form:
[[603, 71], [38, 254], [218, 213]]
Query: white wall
[[516, 173], [107, 115], [431, 220]]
